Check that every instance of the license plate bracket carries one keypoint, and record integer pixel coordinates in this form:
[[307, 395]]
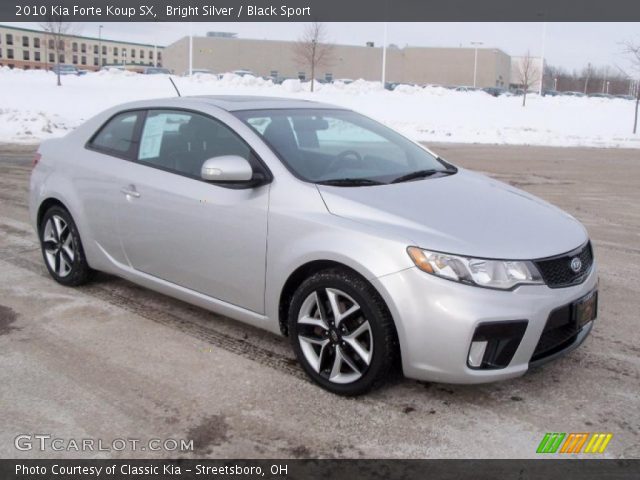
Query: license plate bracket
[[585, 309]]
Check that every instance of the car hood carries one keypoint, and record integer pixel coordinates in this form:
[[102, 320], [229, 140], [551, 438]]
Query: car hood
[[466, 213]]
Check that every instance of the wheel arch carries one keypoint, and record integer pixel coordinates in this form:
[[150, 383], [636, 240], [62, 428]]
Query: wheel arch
[[45, 205], [305, 271]]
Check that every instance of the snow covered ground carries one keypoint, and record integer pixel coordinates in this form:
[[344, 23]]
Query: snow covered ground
[[32, 108]]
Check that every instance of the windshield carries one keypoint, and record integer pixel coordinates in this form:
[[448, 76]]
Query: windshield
[[341, 147]]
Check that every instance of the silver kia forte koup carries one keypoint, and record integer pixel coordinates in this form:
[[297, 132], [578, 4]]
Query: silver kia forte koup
[[308, 220]]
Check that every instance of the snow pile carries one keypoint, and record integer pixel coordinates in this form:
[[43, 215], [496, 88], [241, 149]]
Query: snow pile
[[358, 87], [292, 86], [33, 108], [26, 126]]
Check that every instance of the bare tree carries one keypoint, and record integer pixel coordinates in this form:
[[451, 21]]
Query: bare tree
[[528, 72], [57, 30], [313, 49], [632, 50], [587, 75], [601, 79]]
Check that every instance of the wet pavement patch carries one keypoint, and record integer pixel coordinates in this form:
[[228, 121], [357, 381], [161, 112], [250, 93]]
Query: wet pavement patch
[[300, 451], [211, 432], [7, 317]]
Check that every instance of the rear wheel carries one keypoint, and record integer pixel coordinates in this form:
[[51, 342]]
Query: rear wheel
[[341, 332], [62, 248]]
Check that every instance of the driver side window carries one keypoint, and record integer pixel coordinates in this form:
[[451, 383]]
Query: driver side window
[[180, 141]]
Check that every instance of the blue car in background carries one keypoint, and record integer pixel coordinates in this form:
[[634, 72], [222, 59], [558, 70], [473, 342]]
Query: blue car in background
[[65, 69]]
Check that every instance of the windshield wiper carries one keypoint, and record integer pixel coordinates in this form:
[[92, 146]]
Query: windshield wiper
[[349, 182], [423, 174]]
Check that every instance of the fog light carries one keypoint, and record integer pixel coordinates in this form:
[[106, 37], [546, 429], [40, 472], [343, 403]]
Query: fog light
[[476, 353], [494, 344]]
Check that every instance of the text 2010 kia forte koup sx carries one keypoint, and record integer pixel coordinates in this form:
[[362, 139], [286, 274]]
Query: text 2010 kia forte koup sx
[[318, 223]]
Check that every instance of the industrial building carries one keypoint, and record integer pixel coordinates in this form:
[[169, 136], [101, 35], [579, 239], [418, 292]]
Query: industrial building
[[35, 49], [222, 52]]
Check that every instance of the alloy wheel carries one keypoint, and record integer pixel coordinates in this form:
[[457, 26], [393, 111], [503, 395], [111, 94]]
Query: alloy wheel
[[334, 335], [59, 247]]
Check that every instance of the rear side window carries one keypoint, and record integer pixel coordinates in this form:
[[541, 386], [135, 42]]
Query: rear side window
[[118, 136]]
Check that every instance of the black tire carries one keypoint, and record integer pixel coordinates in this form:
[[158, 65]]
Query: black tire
[[79, 272], [384, 346]]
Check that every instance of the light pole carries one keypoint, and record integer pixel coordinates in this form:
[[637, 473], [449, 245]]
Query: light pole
[[544, 37], [384, 56], [190, 48], [475, 61], [100, 46]]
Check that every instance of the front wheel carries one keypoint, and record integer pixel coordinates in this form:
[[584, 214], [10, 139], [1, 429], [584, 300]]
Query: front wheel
[[342, 332]]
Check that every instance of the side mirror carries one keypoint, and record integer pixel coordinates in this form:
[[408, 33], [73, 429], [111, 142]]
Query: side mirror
[[226, 168]]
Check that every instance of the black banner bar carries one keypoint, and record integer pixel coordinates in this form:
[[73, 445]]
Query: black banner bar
[[320, 10], [320, 469]]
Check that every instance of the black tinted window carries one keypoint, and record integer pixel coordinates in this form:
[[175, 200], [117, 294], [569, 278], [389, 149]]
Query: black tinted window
[[181, 141], [118, 136]]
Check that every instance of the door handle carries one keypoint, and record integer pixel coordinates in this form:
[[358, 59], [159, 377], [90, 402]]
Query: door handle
[[130, 191]]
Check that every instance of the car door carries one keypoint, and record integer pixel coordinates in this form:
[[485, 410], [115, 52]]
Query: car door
[[207, 237], [98, 179]]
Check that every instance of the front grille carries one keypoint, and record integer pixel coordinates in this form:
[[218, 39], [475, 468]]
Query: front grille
[[559, 333], [557, 271]]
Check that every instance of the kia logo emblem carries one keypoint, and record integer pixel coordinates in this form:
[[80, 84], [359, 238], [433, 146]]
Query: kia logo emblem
[[576, 264]]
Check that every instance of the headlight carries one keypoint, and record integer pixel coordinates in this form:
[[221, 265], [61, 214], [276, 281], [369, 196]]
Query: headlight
[[500, 274]]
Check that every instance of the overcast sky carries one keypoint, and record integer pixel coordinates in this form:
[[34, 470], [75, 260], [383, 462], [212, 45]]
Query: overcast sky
[[571, 45]]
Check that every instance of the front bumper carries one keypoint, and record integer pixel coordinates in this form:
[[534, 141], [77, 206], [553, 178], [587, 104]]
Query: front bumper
[[436, 320]]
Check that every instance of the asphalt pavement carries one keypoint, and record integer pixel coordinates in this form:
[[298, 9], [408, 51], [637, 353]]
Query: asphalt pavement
[[115, 361]]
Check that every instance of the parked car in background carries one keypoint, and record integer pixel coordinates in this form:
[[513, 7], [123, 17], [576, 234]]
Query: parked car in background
[[280, 80], [184, 195], [494, 91], [550, 93], [243, 73], [197, 71], [572, 94], [600, 95], [464, 88], [65, 69], [625, 97], [394, 85], [112, 67], [156, 71]]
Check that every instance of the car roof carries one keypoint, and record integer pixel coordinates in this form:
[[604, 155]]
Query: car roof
[[229, 103], [234, 103]]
